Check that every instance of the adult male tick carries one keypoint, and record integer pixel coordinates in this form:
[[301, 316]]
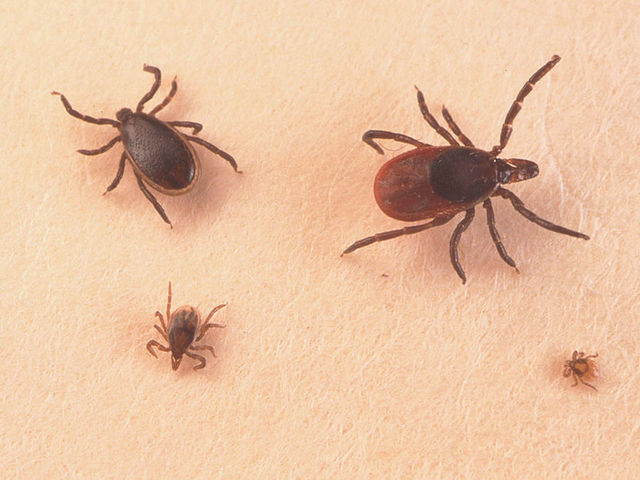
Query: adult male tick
[[440, 182], [160, 155], [184, 324]]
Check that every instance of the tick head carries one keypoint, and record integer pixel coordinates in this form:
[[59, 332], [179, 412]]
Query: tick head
[[512, 170], [124, 114]]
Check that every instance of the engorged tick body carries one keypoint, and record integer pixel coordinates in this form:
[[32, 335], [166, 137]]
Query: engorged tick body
[[441, 181], [161, 156]]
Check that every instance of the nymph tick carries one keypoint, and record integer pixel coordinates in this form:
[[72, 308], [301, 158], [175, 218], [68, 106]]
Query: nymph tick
[[184, 325]]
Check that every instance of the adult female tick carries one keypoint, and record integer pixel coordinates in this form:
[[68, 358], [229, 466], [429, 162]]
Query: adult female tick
[[440, 182], [161, 156], [184, 324]]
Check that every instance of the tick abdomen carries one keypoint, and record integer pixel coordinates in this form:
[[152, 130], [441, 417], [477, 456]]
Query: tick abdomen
[[159, 151], [182, 330]]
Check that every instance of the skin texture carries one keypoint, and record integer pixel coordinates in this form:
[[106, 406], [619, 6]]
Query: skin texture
[[405, 375]]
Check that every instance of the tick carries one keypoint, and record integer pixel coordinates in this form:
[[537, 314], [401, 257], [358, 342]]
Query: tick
[[184, 325], [161, 156], [581, 366], [439, 182]]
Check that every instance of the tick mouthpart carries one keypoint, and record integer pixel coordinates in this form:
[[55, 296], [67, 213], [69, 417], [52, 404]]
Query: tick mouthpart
[[515, 170], [124, 114], [175, 362]]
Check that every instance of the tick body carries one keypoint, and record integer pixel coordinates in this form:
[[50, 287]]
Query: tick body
[[161, 156], [581, 366], [439, 182], [185, 328]]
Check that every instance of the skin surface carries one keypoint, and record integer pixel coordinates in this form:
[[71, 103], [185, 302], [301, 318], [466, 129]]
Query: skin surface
[[375, 365]]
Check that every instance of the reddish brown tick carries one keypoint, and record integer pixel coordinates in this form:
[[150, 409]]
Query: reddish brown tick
[[581, 366], [159, 154], [184, 324], [440, 182]]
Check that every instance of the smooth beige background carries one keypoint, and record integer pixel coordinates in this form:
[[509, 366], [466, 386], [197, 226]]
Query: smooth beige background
[[379, 364]]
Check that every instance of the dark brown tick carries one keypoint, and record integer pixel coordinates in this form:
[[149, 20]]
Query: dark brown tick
[[440, 182], [184, 324], [160, 155], [581, 366]]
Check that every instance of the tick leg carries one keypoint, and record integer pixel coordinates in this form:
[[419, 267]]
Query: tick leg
[[206, 325], [455, 239], [383, 134], [159, 315], [215, 150], [169, 303], [380, 237], [517, 104], [167, 99], [432, 121], [102, 149], [196, 126], [86, 118], [204, 347], [153, 343], [119, 174], [495, 236], [153, 200], [164, 335], [575, 380], [200, 358], [455, 129], [154, 88], [587, 384], [529, 215]]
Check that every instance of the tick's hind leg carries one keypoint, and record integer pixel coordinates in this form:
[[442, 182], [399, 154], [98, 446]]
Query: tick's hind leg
[[200, 358], [204, 347], [153, 343], [102, 149], [196, 126], [167, 99], [455, 240], [154, 88], [86, 118], [495, 236], [383, 134], [215, 150], [455, 129], [119, 174], [380, 237], [585, 383], [153, 200], [529, 215], [433, 123]]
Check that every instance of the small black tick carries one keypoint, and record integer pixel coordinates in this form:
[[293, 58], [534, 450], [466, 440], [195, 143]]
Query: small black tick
[[440, 182], [184, 325], [160, 155], [581, 366]]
